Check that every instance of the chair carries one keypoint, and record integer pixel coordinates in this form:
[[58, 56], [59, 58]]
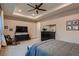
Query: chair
[[10, 41]]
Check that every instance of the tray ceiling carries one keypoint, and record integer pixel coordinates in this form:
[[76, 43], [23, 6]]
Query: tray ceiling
[[21, 9]]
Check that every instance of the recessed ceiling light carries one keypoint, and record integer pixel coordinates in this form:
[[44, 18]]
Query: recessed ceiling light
[[19, 10]]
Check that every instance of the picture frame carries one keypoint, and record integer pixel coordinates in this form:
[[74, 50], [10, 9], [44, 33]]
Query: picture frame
[[69, 28], [75, 28], [5, 27], [10, 29], [72, 25], [75, 22], [75, 25], [69, 23]]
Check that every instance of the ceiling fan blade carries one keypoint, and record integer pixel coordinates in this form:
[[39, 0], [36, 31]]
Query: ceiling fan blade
[[31, 10], [42, 9], [30, 5], [37, 11], [40, 5]]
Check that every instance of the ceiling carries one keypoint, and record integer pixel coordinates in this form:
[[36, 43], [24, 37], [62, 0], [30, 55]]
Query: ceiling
[[21, 10]]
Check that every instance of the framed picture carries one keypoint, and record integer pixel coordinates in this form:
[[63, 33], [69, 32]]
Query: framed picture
[[75, 22], [10, 29], [69, 23], [6, 27], [75, 27], [72, 25], [68, 27]]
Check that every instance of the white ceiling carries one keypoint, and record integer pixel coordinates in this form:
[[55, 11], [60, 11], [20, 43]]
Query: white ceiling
[[12, 9]]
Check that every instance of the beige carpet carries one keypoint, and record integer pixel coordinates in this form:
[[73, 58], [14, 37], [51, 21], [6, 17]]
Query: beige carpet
[[18, 50]]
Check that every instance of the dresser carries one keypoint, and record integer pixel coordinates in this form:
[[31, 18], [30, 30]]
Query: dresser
[[22, 37], [46, 35]]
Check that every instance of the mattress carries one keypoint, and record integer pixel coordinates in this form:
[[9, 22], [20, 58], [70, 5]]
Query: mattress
[[53, 48]]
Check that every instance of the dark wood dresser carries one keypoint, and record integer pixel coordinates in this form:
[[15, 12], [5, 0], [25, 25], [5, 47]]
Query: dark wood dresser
[[22, 37], [45, 35]]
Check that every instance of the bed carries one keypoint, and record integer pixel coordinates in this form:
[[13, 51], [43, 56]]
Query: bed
[[53, 48]]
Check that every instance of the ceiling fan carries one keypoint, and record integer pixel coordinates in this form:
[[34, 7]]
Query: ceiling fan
[[36, 8]]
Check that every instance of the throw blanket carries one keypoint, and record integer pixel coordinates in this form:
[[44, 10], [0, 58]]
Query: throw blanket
[[32, 50]]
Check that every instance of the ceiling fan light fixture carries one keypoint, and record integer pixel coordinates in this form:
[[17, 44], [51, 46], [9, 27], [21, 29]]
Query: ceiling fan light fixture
[[36, 7]]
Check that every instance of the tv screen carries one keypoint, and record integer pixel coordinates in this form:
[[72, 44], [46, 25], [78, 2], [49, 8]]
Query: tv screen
[[21, 29]]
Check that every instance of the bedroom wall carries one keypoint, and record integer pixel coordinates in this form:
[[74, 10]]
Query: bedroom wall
[[13, 23], [0, 31], [38, 33], [61, 33], [0, 39]]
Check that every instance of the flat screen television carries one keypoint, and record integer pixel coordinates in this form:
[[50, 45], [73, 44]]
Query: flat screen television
[[21, 29]]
